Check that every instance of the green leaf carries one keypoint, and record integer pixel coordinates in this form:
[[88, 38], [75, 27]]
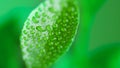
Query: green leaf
[[48, 32]]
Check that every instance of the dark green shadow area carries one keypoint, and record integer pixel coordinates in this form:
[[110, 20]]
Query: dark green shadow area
[[12, 17], [104, 56], [10, 31], [9, 45]]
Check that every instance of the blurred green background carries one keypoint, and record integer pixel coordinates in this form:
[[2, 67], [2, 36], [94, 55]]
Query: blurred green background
[[97, 43]]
